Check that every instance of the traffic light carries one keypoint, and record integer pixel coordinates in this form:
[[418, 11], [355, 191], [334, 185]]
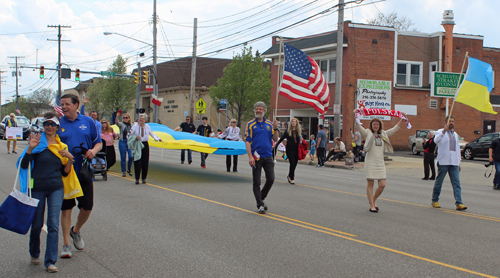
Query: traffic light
[[42, 72], [77, 75], [137, 78], [145, 77]]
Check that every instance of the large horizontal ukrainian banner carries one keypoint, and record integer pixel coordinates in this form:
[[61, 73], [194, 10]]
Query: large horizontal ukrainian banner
[[183, 140]]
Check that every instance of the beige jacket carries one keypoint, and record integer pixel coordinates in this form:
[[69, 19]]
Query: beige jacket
[[369, 138]]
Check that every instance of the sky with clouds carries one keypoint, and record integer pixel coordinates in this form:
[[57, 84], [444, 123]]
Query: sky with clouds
[[221, 24]]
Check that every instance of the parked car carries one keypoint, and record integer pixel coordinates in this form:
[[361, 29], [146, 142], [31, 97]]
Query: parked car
[[37, 125], [415, 141], [21, 122], [480, 146]]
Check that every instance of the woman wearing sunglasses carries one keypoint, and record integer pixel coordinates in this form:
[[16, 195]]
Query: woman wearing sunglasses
[[125, 127], [50, 161], [109, 135], [232, 133]]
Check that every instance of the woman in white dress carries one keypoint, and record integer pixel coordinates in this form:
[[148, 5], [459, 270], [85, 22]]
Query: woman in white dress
[[377, 142]]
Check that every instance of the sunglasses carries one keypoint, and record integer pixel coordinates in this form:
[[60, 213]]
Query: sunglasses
[[233, 122], [126, 117], [50, 124], [188, 119]]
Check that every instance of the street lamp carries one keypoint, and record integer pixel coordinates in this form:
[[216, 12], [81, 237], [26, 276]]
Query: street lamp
[[155, 86]]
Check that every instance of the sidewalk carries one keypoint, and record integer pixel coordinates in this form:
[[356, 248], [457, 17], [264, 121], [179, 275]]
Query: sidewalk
[[335, 164]]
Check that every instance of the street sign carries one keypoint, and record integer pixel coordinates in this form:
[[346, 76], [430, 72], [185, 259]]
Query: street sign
[[223, 105], [108, 73], [201, 104], [336, 109], [185, 113], [200, 111], [149, 88], [445, 84]]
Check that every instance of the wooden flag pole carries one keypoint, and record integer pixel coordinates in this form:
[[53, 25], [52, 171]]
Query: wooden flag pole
[[279, 79], [458, 85]]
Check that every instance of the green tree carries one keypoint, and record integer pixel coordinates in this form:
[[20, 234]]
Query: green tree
[[37, 100], [111, 93], [245, 81], [399, 23]]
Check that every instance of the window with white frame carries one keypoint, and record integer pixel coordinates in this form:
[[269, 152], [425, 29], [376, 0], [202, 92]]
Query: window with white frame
[[409, 73], [328, 69]]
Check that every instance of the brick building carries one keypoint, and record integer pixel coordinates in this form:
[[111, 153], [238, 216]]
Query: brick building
[[403, 60]]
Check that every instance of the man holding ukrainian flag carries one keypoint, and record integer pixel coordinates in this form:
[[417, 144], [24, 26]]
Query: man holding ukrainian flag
[[474, 92]]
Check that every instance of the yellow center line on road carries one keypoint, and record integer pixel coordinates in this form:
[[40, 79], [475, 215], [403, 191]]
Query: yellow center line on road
[[462, 213], [320, 229]]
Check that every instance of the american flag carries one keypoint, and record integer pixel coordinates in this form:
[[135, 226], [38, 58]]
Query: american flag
[[58, 107], [303, 80], [18, 111]]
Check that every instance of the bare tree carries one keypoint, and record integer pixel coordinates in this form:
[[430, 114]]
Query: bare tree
[[399, 23]]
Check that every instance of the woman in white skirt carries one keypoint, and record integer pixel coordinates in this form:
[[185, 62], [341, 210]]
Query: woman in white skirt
[[377, 142]]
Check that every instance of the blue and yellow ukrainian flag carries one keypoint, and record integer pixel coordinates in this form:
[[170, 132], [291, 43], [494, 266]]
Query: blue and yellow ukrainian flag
[[184, 140], [476, 87]]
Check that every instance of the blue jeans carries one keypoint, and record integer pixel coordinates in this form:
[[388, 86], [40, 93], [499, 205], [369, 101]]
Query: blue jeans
[[123, 148], [496, 180], [454, 174], [184, 156], [54, 203]]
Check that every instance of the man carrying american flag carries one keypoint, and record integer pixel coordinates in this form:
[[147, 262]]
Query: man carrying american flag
[[303, 80]]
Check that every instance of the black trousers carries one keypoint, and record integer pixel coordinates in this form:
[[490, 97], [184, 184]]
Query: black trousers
[[429, 163], [293, 159], [336, 155], [143, 163], [268, 165], [235, 163], [321, 156]]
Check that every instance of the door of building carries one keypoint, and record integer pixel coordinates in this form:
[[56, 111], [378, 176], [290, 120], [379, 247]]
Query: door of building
[[489, 127]]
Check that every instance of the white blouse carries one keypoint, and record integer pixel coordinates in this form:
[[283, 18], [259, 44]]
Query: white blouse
[[143, 132], [231, 134]]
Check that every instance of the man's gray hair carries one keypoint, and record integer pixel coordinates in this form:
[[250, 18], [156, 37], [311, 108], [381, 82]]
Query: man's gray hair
[[260, 104], [144, 115]]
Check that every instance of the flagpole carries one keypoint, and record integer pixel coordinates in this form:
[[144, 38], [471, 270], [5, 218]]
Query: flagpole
[[279, 79], [458, 85]]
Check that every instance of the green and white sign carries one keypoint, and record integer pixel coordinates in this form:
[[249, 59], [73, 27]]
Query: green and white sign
[[445, 84]]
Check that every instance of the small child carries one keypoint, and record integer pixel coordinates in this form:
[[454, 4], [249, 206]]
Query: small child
[[94, 162], [312, 152]]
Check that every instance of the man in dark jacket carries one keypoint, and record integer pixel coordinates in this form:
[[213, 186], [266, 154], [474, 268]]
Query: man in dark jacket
[[495, 159]]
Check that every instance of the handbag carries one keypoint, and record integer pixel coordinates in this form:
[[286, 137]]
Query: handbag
[[86, 172], [18, 210]]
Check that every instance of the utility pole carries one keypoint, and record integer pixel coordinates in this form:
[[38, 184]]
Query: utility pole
[[137, 97], [59, 53], [16, 74], [193, 68], [1, 92], [155, 79], [338, 70]]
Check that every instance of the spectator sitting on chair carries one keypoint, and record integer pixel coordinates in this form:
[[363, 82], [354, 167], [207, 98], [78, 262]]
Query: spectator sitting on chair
[[338, 152]]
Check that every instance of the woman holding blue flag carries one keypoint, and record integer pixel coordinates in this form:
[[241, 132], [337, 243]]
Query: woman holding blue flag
[[50, 162]]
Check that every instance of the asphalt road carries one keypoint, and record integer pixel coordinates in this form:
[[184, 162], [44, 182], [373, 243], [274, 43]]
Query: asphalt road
[[194, 222]]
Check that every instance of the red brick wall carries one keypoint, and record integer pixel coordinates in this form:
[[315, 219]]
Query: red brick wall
[[364, 59]]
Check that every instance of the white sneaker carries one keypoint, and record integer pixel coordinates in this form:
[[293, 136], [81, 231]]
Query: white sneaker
[[262, 210], [66, 252]]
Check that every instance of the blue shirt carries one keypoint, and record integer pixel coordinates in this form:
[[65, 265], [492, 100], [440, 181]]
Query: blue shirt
[[259, 135], [97, 123], [322, 135], [73, 133]]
